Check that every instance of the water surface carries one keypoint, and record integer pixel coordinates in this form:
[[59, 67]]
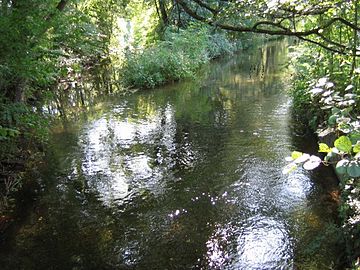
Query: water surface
[[187, 176]]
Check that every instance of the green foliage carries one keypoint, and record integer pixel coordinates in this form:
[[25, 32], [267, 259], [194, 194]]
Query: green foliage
[[19, 120], [296, 155], [41, 45], [7, 133], [179, 56], [324, 148], [343, 144], [346, 153], [330, 235], [326, 89]]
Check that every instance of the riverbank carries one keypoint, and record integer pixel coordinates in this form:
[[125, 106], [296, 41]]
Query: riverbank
[[326, 102]]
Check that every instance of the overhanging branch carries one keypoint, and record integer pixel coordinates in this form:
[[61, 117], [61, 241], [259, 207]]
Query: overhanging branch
[[276, 28]]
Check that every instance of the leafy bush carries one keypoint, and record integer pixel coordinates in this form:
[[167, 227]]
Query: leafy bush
[[177, 57], [221, 45], [326, 92], [18, 119]]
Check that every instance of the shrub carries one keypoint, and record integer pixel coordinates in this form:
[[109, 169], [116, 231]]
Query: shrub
[[177, 57]]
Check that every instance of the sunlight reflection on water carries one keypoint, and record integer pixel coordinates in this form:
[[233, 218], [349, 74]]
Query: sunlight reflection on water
[[263, 244]]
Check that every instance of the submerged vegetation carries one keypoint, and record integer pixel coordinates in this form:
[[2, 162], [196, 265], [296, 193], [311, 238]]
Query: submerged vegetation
[[47, 46]]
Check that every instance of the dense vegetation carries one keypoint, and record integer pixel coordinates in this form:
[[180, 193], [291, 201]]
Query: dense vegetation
[[47, 46], [178, 56]]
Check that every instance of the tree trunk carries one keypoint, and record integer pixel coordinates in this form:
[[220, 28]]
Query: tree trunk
[[61, 5], [15, 91], [163, 12], [353, 65]]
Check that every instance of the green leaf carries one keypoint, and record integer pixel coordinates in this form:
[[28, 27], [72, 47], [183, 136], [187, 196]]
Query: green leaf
[[346, 111], [353, 169], [344, 144], [341, 166], [3, 132], [354, 137], [296, 154], [335, 110], [324, 148], [332, 120], [329, 156], [356, 148]]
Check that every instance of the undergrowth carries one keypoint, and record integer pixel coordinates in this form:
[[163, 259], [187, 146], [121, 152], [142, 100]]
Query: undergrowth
[[178, 56]]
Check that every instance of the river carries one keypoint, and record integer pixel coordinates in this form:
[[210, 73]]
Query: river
[[186, 176]]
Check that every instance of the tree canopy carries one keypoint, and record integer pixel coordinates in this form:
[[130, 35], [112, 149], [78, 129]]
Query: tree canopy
[[329, 24]]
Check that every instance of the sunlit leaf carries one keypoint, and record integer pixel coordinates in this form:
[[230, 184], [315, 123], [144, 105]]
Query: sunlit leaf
[[312, 163], [296, 154], [327, 93], [328, 100], [349, 96], [349, 102], [329, 85], [321, 82], [324, 148], [349, 87], [316, 91], [344, 128], [344, 144], [345, 120], [325, 132], [356, 148]]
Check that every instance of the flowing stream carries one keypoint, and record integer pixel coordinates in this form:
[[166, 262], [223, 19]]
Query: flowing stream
[[187, 176]]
